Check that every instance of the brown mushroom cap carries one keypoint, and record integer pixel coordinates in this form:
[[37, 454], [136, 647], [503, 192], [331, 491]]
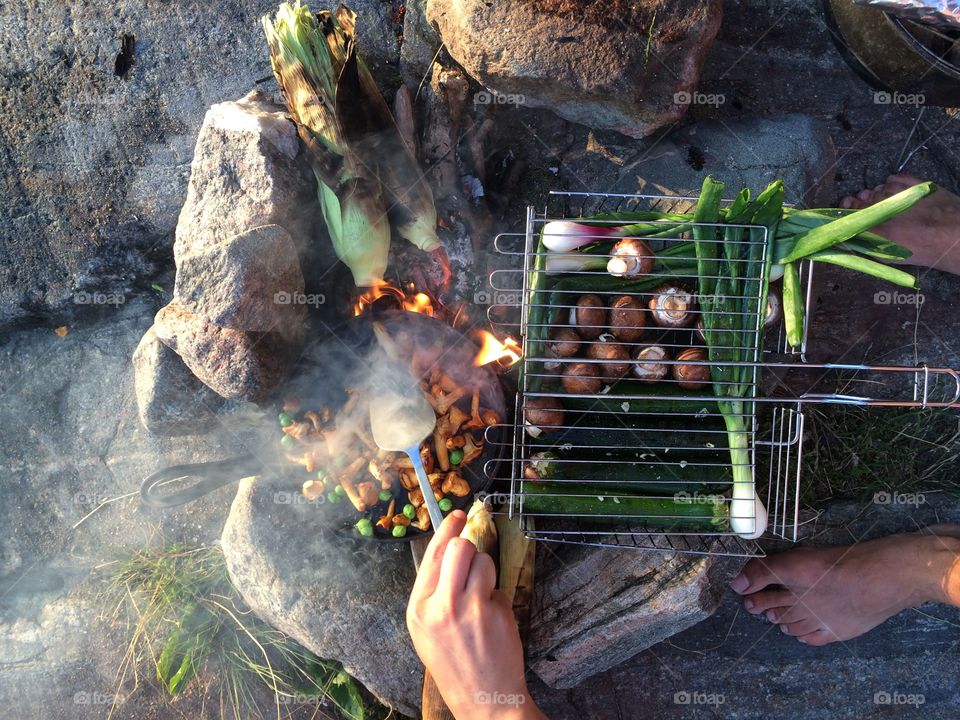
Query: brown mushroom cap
[[630, 257], [589, 317], [648, 366], [582, 379], [610, 351], [564, 342], [691, 377], [627, 318], [545, 413], [672, 306]]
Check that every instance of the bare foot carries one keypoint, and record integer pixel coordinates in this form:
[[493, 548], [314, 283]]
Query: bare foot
[[821, 595], [930, 229]]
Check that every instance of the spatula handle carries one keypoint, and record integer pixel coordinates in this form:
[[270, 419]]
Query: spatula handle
[[436, 517]]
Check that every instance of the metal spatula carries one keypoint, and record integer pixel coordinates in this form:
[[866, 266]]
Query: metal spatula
[[401, 418]]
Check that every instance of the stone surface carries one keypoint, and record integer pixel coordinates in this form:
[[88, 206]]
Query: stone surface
[[247, 171], [595, 608], [341, 599], [171, 401], [94, 166], [251, 281], [235, 363], [624, 68]]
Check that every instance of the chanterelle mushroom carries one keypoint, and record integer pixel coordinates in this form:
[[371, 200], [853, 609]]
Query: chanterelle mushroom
[[454, 484]]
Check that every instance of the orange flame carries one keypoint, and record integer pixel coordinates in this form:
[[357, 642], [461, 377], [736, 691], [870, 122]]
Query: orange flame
[[504, 352], [418, 302]]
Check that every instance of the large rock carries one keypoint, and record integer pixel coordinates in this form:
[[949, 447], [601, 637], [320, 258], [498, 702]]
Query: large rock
[[252, 281], [95, 157], [630, 69], [170, 399], [235, 363], [340, 599], [247, 171]]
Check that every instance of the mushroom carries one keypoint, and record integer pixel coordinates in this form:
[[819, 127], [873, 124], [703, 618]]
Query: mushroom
[[408, 479], [312, 489], [423, 519], [369, 493], [489, 417], [454, 442], [627, 318], [545, 413], [631, 257], [589, 317], [455, 419], [672, 306], [564, 342], [615, 357], [471, 450], [454, 484], [581, 379], [649, 366], [385, 521], [691, 377]]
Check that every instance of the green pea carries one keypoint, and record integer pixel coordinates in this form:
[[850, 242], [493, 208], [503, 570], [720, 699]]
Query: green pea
[[288, 442], [323, 477], [456, 456], [285, 419], [364, 527], [410, 511], [339, 491], [399, 530], [333, 498], [446, 504], [385, 495]]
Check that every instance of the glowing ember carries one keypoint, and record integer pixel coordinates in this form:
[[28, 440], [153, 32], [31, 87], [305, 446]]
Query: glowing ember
[[504, 352], [418, 302]]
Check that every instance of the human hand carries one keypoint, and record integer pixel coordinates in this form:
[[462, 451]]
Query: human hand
[[464, 631]]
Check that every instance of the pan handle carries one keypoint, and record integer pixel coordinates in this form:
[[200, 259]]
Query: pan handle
[[208, 477]]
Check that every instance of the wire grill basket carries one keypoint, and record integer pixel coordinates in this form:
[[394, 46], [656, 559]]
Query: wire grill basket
[[625, 443]]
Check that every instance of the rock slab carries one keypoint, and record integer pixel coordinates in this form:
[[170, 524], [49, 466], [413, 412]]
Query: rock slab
[[630, 70], [340, 599], [170, 399]]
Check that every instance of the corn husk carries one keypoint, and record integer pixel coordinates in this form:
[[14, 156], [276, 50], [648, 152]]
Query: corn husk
[[481, 530], [367, 175]]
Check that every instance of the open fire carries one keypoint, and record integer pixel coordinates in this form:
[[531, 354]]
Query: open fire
[[505, 352]]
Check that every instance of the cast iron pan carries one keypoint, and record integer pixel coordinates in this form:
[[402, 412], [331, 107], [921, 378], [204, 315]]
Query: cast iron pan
[[321, 378]]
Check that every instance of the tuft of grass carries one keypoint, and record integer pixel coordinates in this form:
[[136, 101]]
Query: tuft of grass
[[854, 452], [188, 624]]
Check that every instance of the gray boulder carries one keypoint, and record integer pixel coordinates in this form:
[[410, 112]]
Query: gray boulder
[[341, 599], [235, 363], [171, 401], [252, 282], [247, 171], [603, 66]]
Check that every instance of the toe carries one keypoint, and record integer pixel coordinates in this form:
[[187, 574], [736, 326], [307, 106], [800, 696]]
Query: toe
[[787, 614], [866, 196], [754, 576], [848, 203], [800, 628], [759, 602], [818, 638]]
